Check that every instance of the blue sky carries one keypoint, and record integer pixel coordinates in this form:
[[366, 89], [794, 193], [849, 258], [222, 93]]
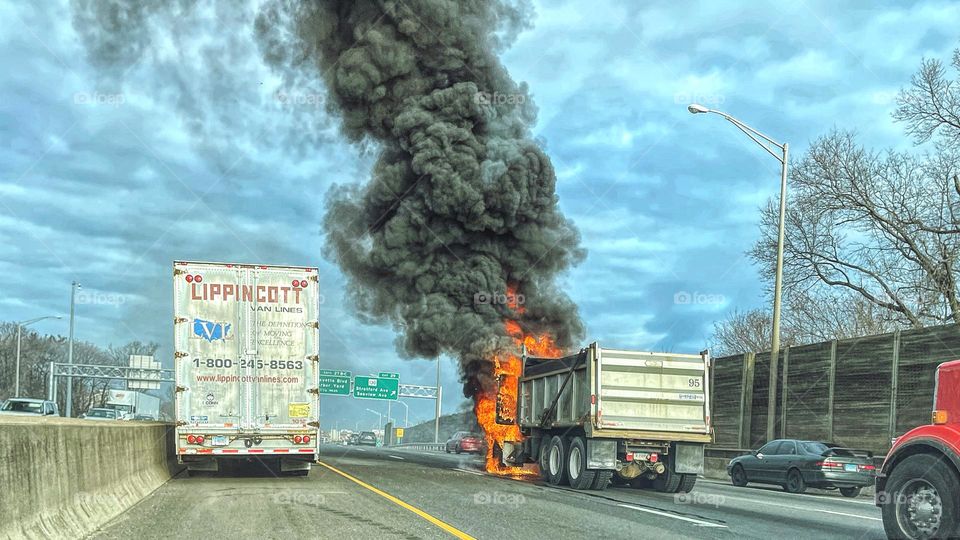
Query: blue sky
[[189, 154]]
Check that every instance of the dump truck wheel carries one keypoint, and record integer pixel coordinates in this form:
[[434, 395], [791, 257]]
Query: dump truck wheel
[[603, 480], [557, 461], [580, 476]]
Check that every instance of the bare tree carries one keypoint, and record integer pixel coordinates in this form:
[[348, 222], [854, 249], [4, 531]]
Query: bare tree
[[884, 226]]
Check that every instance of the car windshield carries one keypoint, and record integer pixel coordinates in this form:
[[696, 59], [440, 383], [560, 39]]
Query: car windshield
[[14, 405]]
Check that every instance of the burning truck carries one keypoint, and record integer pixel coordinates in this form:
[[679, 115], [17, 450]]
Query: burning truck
[[600, 415]]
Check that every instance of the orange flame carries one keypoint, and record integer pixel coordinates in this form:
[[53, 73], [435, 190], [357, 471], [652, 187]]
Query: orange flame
[[507, 368]]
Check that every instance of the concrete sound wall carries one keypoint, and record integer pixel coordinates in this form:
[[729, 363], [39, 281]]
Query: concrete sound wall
[[63, 477]]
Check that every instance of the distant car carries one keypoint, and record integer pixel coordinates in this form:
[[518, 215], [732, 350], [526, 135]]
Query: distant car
[[101, 414], [465, 441], [797, 465], [367, 438], [353, 439], [29, 407]]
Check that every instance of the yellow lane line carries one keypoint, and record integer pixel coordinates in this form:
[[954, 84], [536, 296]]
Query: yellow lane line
[[443, 525]]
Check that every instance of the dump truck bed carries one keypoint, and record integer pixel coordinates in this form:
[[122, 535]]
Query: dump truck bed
[[619, 394]]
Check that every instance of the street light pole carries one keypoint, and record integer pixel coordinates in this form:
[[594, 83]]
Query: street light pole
[[406, 413], [20, 326], [436, 422], [73, 300], [379, 418], [783, 158]]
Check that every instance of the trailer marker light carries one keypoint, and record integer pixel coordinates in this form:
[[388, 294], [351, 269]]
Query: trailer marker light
[[295, 283], [298, 439], [198, 278], [303, 283], [940, 417], [199, 439], [191, 439], [306, 438]]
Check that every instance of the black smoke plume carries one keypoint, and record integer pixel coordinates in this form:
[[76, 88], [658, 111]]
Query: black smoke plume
[[461, 206]]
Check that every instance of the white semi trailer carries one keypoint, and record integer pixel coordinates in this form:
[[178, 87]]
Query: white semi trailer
[[246, 344]]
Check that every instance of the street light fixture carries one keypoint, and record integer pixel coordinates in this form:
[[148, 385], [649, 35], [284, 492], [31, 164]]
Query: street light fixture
[[782, 157], [20, 326]]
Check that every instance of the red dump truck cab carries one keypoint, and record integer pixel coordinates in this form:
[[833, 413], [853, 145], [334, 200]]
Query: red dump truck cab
[[918, 488]]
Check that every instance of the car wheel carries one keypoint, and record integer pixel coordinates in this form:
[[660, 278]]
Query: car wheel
[[795, 482], [738, 476], [850, 491], [580, 476], [921, 500], [458, 449], [557, 461]]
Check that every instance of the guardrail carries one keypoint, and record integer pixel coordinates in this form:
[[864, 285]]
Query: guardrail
[[437, 447]]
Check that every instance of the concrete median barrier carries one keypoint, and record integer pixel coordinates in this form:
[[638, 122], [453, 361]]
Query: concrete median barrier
[[63, 477]]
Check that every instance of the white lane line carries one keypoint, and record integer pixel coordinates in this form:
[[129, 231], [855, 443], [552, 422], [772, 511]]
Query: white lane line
[[469, 471], [697, 522], [396, 457], [794, 507]]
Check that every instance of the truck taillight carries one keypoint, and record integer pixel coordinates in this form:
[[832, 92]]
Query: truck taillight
[[191, 439], [306, 439], [940, 417], [629, 456], [654, 458], [189, 278], [199, 439], [298, 439]]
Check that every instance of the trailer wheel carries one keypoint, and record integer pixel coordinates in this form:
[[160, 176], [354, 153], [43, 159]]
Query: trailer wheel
[[543, 454], [603, 480], [921, 499], [557, 461], [580, 476]]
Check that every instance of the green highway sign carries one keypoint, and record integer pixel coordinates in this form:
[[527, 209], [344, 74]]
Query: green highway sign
[[388, 375], [335, 382], [369, 387]]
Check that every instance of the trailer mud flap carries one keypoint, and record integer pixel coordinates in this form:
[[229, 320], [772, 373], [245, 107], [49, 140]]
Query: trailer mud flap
[[688, 458], [601, 454]]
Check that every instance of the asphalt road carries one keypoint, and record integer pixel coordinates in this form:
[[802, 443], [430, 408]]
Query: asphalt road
[[392, 493]]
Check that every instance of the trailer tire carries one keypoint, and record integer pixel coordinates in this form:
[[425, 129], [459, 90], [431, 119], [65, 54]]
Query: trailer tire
[[603, 480], [542, 454], [930, 480], [580, 476], [557, 461], [686, 485]]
